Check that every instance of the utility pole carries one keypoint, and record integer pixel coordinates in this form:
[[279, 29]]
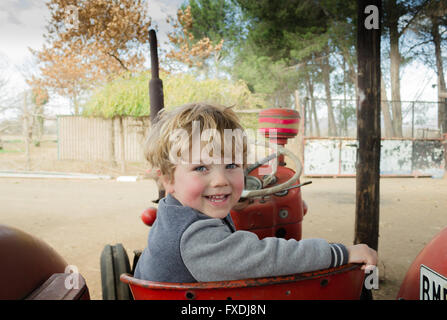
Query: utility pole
[[368, 122]]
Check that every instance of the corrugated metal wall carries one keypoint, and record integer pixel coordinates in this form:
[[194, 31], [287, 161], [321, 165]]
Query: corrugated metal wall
[[81, 138], [398, 157]]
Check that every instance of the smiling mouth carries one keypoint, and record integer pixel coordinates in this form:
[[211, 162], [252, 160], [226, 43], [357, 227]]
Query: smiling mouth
[[218, 198]]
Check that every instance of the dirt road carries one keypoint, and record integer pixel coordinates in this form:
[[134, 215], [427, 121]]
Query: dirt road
[[79, 217]]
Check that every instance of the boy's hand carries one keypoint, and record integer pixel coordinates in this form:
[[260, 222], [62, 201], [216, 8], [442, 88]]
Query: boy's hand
[[361, 253]]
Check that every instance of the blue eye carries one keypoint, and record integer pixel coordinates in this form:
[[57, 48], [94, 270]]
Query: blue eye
[[200, 169], [232, 166]]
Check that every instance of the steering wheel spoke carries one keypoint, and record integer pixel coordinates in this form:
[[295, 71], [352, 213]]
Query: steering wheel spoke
[[246, 193]]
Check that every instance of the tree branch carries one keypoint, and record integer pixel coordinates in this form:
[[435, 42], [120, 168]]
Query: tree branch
[[416, 15], [302, 64], [419, 44], [119, 60]]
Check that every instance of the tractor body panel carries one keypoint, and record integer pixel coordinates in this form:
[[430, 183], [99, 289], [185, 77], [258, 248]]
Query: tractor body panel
[[426, 279]]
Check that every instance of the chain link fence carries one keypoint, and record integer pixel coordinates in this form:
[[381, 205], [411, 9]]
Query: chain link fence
[[419, 119]]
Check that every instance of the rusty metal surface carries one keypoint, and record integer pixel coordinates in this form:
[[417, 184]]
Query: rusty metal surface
[[396, 157], [428, 157], [321, 156], [330, 157]]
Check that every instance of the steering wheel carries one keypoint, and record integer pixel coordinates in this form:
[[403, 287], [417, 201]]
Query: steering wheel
[[247, 193]]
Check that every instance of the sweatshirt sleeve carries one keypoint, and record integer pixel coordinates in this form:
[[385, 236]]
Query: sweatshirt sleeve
[[211, 252]]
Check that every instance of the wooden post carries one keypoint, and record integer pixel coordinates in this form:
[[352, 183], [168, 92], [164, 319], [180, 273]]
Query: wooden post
[[368, 123]]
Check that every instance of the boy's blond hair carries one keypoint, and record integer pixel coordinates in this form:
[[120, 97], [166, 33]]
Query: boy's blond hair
[[158, 144]]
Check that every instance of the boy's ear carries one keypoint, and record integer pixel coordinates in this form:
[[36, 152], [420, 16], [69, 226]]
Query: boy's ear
[[168, 185]]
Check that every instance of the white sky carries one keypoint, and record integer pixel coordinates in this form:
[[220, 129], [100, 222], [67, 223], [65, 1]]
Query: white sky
[[22, 25]]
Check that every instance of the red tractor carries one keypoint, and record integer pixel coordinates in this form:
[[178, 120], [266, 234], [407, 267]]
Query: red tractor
[[275, 209]]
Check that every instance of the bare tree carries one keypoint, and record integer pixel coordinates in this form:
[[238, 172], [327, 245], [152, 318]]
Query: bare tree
[[430, 26], [8, 101], [326, 71], [397, 19], [5, 95], [107, 39]]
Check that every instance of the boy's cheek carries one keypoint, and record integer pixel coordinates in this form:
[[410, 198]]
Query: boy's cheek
[[193, 188], [239, 184]]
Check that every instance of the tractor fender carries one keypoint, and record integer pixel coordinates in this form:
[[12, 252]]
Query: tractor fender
[[426, 279]]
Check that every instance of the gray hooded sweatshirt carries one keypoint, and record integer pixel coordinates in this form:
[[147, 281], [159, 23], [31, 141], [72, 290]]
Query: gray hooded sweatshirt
[[184, 245]]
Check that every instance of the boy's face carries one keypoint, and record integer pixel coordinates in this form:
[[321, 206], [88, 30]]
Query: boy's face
[[212, 189]]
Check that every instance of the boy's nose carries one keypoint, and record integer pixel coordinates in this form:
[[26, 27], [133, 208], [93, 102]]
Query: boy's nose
[[219, 179]]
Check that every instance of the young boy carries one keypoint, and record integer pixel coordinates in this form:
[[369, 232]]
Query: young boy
[[193, 238]]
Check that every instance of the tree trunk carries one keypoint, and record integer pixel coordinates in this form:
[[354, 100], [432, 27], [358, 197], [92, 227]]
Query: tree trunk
[[389, 131], [112, 157], [75, 104], [368, 128], [308, 107], [310, 87], [310, 128], [395, 60], [300, 108], [39, 122], [442, 100], [27, 132], [351, 71], [314, 112], [332, 127], [345, 81]]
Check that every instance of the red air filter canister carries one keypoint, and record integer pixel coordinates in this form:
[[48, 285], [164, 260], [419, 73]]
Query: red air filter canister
[[279, 124]]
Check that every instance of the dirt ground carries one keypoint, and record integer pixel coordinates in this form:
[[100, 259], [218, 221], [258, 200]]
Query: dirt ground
[[79, 217]]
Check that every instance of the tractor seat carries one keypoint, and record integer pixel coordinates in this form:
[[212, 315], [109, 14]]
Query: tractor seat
[[340, 283]]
